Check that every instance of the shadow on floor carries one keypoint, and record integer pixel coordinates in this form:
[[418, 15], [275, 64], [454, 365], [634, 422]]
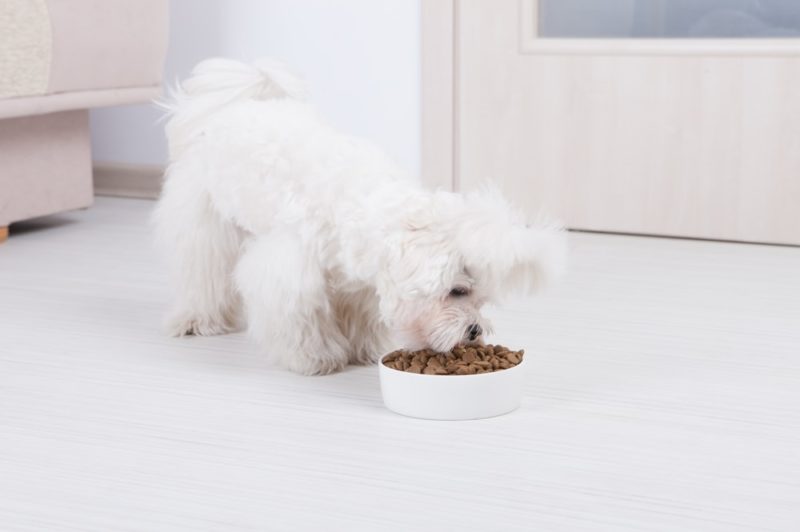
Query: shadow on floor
[[44, 223]]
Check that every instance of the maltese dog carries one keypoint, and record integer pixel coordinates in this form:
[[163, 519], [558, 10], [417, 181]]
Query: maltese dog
[[315, 240]]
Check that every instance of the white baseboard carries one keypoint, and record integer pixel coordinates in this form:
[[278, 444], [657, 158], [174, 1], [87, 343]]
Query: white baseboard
[[127, 180]]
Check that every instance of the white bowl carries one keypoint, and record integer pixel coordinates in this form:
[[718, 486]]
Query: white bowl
[[452, 397]]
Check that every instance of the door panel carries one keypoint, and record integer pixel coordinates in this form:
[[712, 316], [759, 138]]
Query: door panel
[[611, 137]]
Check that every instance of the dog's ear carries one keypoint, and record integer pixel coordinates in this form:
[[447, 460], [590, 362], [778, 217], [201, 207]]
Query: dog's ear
[[420, 262], [507, 252]]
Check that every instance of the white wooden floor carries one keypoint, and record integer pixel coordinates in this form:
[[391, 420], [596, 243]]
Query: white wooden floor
[[664, 395]]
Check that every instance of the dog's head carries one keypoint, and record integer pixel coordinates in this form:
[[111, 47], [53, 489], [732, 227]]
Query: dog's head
[[456, 253]]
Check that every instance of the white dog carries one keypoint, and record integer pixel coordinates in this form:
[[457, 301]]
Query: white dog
[[315, 239]]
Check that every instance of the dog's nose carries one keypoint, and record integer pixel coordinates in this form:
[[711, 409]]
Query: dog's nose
[[474, 331]]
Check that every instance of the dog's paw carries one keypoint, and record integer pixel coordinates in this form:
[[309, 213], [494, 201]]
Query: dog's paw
[[324, 360], [188, 324], [364, 357], [307, 366]]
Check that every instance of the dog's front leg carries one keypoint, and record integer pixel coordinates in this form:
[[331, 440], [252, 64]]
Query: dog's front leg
[[286, 305], [358, 316]]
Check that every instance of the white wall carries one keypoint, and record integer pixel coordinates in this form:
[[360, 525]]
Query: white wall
[[360, 59]]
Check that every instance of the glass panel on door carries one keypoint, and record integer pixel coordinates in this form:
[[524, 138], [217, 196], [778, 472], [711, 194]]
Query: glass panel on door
[[669, 19]]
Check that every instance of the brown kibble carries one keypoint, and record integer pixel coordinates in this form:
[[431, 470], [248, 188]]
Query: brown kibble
[[461, 360], [414, 368], [435, 363]]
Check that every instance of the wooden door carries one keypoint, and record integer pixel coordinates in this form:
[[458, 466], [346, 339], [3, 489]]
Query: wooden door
[[685, 134]]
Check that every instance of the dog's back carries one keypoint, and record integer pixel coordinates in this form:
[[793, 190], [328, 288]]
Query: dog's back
[[248, 156]]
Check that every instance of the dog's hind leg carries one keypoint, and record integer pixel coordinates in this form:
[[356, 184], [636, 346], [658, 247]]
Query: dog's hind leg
[[287, 308], [202, 250]]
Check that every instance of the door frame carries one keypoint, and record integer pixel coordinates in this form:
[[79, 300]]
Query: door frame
[[439, 118]]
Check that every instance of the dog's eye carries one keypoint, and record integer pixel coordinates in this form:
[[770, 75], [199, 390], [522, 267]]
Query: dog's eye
[[459, 291]]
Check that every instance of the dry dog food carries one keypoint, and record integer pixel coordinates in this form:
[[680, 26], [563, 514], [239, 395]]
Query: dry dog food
[[460, 361]]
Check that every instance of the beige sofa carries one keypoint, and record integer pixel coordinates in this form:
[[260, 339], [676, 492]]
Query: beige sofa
[[58, 58]]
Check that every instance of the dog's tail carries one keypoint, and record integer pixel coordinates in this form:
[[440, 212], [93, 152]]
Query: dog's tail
[[215, 83]]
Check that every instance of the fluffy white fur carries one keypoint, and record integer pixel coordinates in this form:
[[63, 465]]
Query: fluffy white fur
[[315, 240]]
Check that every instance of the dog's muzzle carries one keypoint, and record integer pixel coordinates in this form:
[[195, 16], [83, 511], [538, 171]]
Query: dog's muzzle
[[473, 332]]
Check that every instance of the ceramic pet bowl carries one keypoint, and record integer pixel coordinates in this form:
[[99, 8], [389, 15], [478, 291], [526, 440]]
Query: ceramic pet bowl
[[452, 397]]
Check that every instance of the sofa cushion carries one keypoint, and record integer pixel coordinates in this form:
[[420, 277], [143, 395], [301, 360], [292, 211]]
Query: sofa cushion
[[107, 43]]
